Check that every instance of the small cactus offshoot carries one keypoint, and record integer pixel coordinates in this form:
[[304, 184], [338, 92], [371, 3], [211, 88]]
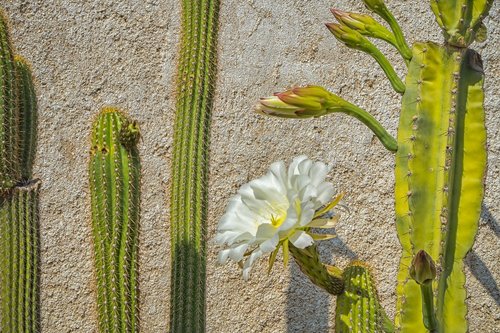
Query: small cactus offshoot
[[114, 172]]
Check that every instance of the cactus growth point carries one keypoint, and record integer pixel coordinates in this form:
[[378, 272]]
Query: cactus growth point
[[195, 90], [114, 173]]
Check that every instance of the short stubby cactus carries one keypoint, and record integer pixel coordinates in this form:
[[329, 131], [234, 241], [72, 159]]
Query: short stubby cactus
[[114, 172], [19, 260], [9, 112], [358, 307]]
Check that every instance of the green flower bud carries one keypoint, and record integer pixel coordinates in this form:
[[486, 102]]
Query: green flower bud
[[349, 37], [365, 25], [423, 269], [375, 5], [305, 102]]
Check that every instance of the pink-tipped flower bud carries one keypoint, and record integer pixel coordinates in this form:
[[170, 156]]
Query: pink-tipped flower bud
[[304, 102], [364, 24], [423, 269], [348, 36]]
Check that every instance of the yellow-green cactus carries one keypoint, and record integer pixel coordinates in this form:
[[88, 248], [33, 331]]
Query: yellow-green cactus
[[440, 151]]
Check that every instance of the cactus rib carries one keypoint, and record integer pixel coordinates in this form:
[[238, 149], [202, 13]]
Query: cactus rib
[[196, 80], [19, 253], [114, 173]]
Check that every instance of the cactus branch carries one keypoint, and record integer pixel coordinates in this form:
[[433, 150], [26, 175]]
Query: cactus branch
[[196, 82]]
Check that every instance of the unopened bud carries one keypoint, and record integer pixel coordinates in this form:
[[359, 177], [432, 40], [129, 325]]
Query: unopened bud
[[423, 269], [364, 24]]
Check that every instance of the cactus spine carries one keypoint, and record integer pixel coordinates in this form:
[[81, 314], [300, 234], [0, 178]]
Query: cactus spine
[[196, 82], [19, 219], [440, 157], [114, 173]]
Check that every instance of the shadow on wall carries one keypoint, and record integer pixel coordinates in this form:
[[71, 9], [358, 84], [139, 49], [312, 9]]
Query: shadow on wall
[[477, 267], [307, 306]]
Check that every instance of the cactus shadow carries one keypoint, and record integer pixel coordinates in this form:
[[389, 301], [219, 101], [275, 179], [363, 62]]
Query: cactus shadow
[[307, 306], [477, 266]]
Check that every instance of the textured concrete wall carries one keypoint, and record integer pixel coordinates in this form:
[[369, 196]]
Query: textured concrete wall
[[86, 54]]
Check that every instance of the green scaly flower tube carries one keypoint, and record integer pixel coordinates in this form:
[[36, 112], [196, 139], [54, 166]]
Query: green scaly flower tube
[[195, 90], [114, 172]]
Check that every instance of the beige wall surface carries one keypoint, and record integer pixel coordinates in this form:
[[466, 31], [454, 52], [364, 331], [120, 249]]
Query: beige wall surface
[[91, 53]]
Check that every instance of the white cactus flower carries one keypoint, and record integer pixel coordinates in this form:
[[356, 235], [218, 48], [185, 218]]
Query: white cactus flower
[[275, 209]]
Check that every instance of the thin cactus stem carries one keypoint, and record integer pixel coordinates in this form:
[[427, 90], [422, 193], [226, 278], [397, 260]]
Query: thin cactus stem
[[196, 82], [114, 172], [324, 276], [19, 253], [428, 312], [366, 118]]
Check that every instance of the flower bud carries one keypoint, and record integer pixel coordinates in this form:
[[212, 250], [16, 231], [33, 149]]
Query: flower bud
[[423, 269], [364, 24], [305, 102], [348, 36], [374, 5]]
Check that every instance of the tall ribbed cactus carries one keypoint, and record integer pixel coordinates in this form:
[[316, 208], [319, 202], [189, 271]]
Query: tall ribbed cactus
[[19, 260], [440, 151], [114, 172], [9, 112], [19, 220], [195, 90]]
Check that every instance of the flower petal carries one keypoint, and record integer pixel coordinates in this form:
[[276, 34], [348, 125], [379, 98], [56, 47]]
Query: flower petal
[[301, 239]]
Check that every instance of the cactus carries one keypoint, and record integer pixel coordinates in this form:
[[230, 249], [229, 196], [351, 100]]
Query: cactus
[[358, 308], [114, 173], [440, 153], [19, 253], [28, 118], [19, 220], [9, 112], [195, 89]]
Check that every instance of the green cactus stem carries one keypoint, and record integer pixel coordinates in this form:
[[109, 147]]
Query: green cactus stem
[[28, 117], [461, 20], [379, 8], [440, 167], [195, 90], [324, 276], [114, 172], [19, 260], [9, 116], [314, 101], [358, 307], [355, 40]]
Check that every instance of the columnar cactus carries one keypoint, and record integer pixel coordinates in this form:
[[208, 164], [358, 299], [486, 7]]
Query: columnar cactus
[[440, 150], [9, 112], [19, 220], [195, 89], [114, 172], [19, 260]]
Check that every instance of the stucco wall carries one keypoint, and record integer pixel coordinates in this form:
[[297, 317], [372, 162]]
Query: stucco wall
[[90, 53]]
